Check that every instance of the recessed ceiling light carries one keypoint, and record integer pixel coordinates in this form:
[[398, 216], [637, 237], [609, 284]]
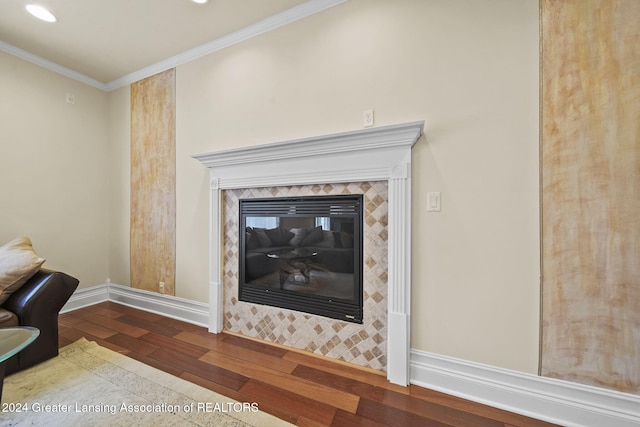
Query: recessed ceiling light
[[200, 1], [41, 13]]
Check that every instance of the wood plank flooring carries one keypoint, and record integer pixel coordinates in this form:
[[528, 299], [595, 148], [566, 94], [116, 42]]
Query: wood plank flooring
[[302, 389]]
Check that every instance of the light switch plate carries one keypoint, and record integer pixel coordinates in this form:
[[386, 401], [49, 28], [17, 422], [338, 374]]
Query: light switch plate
[[433, 201]]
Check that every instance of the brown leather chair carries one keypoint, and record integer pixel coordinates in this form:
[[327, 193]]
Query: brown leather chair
[[37, 303]]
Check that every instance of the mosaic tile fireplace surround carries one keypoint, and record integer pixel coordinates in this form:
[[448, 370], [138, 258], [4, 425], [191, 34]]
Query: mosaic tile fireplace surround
[[374, 162], [365, 344]]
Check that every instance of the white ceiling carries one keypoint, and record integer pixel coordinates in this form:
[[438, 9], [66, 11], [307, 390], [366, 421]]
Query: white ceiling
[[111, 43]]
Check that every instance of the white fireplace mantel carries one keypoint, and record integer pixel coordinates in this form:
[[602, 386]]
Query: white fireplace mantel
[[372, 154]]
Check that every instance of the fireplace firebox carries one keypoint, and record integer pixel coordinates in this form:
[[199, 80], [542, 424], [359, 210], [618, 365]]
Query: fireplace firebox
[[303, 254]]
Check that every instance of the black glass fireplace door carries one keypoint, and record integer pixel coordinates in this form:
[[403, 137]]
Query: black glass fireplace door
[[303, 254]]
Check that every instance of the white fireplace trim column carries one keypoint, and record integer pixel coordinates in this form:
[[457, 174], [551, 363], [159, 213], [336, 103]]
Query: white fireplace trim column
[[372, 154]]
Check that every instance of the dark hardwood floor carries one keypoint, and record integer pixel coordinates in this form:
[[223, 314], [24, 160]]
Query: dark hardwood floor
[[300, 388]]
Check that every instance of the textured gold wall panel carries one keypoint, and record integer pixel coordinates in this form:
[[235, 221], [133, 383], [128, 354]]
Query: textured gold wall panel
[[591, 192], [153, 183]]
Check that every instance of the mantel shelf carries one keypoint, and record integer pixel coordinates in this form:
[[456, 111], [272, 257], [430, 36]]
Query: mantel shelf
[[398, 136]]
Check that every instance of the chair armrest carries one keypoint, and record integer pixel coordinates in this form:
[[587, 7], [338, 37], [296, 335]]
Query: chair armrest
[[37, 303], [40, 299]]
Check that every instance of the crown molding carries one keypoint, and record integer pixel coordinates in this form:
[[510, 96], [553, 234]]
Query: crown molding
[[278, 20], [51, 66], [281, 19]]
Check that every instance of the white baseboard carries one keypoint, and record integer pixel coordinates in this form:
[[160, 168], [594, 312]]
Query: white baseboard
[[85, 297], [189, 311], [556, 401], [166, 305]]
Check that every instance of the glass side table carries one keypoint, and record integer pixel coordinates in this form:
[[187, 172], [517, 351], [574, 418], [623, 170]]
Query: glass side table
[[12, 341]]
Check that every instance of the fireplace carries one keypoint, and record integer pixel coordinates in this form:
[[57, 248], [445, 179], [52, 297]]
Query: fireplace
[[303, 254], [367, 161]]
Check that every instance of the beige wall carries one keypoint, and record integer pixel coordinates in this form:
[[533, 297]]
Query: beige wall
[[119, 182], [53, 168], [470, 70]]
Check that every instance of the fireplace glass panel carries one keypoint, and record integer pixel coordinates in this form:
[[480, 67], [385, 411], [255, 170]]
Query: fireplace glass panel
[[303, 254]]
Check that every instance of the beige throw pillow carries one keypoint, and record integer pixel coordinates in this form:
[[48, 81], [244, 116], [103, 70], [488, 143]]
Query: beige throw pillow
[[18, 262]]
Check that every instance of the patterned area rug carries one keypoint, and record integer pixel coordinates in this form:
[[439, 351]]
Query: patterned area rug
[[91, 385]]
